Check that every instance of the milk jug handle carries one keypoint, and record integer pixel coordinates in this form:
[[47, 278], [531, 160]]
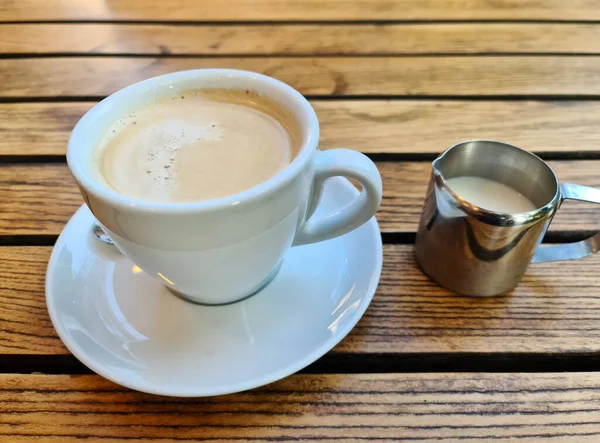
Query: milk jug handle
[[570, 251]]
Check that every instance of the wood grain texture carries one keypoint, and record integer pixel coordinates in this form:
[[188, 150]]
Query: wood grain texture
[[25, 327], [322, 408], [38, 207], [371, 126], [330, 76], [40, 199], [300, 39], [555, 309], [314, 10]]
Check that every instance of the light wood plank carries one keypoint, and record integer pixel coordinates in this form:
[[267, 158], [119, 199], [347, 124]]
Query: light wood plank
[[332, 39], [555, 309], [336, 76], [371, 126], [39, 199], [322, 408], [317, 10]]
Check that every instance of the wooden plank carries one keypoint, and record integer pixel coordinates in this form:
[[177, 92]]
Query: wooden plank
[[336, 76], [40, 199], [321, 408], [555, 309], [371, 126], [48, 203], [314, 10], [25, 327], [333, 39]]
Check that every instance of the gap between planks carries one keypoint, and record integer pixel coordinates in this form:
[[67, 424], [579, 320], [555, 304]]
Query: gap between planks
[[363, 363]]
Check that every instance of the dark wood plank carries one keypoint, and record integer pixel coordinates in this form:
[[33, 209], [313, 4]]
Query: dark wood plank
[[555, 309], [24, 323], [314, 10], [321, 408], [335, 76], [38, 207], [39, 199], [332, 39], [371, 126]]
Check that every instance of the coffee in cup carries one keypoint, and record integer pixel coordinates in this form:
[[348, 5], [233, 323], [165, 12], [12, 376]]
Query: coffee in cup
[[197, 145]]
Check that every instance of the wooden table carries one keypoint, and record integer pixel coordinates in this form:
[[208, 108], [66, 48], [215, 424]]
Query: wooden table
[[399, 80]]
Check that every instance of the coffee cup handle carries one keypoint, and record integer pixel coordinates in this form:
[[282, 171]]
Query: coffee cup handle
[[578, 249], [345, 163]]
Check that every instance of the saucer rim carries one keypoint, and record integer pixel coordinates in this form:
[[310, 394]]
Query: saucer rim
[[223, 389]]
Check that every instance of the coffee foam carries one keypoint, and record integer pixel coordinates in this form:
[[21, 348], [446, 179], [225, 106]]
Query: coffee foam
[[197, 146]]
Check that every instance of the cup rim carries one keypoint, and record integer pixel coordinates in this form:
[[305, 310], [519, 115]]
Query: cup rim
[[247, 79], [494, 217]]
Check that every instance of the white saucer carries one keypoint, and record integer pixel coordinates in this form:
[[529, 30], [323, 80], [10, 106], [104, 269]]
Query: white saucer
[[127, 327]]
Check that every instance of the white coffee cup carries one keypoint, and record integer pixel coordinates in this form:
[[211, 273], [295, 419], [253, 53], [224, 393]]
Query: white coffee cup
[[223, 250]]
